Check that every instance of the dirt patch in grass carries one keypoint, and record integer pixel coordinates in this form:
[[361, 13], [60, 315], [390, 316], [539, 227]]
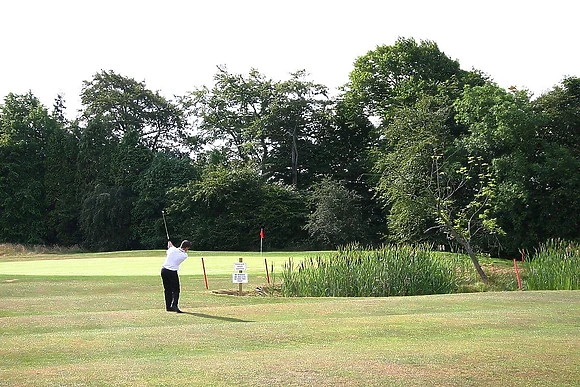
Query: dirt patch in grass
[[230, 292], [265, 290]]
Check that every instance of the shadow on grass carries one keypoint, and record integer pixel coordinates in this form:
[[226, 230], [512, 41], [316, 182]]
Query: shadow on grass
[[230, 319]]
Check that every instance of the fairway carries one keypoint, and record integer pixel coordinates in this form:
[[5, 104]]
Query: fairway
[[99, 319]]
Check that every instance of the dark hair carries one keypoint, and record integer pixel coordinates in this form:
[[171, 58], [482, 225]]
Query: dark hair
[[185, 244]]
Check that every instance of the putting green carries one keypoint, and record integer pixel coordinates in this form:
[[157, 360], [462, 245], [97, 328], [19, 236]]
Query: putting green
[[147, 265]]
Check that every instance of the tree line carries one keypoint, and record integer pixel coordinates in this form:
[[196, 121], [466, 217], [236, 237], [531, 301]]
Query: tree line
[[412, 149]]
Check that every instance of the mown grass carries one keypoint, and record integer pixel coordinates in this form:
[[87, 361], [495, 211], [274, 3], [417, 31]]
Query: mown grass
[[96, 330]]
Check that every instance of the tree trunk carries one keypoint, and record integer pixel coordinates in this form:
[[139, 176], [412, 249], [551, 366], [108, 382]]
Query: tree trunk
[[475, 262], [467, 246], [294, 159]]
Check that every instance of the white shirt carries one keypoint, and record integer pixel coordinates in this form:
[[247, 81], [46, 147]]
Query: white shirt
[[175, 257]]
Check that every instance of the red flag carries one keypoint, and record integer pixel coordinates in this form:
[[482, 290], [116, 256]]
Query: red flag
[[261, 233]]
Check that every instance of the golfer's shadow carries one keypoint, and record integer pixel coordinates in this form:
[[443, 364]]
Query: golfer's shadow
[[230, 319]]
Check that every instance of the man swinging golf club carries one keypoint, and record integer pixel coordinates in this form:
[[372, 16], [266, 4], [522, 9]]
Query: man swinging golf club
[[169, 276]]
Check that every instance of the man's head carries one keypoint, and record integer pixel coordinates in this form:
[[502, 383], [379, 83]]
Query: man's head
[[185, 245]]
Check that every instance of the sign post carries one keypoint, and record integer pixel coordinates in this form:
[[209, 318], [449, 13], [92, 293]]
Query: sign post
[[240, 277]]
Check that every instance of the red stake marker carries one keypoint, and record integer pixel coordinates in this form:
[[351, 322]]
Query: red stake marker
[[517, 275], [267, 274], [204, 275]]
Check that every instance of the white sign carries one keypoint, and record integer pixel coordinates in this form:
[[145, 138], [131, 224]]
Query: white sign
[[240, 278], [240, 266]]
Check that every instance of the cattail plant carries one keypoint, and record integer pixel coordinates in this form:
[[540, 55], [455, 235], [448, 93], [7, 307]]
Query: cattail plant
[[554, 266], [355, 272]]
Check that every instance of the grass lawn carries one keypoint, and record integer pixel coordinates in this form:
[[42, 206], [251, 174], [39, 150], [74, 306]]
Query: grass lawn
[[99, 319]]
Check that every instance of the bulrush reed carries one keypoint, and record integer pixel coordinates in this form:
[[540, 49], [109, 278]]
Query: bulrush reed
[[554, 266], [393, 270]]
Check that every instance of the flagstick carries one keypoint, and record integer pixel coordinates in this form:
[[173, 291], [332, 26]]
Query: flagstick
[[261, 239]]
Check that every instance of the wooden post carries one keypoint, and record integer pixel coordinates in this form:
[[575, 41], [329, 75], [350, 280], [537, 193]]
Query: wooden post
[[267, 274], [204, 274], [518, 275]]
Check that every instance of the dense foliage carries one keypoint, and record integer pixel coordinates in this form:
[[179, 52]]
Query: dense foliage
[[413, 149]]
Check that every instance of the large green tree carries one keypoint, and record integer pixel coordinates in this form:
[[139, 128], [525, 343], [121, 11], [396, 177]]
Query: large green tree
[[300, 114], [25, 129], [559, 164], [402, 73], [336, 218], [429, 181], [124, 105], [561, 109], [121, 127], [105, 218], [388, 85], [166, 171], [425, 181], [539, 179], [343, 152], [234, 115], [226, 208], [271, 125], [62, 188]]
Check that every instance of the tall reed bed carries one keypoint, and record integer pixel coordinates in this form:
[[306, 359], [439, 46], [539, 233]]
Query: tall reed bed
[[354, 272], [554, 266]]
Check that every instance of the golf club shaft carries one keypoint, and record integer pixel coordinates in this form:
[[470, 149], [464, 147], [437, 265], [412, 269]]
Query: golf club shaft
[[165, 223]]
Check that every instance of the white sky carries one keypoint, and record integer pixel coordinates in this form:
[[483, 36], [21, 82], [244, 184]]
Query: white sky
[[52, 46]]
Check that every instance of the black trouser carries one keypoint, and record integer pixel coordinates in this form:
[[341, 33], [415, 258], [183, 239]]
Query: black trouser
[[171, 285]]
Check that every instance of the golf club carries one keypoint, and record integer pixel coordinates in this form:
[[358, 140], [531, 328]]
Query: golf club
[[165, 223]]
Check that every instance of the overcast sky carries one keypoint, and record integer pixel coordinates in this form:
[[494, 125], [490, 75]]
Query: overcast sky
[[51, 46]]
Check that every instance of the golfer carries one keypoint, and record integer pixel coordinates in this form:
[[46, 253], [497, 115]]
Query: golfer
[[175, 256]]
